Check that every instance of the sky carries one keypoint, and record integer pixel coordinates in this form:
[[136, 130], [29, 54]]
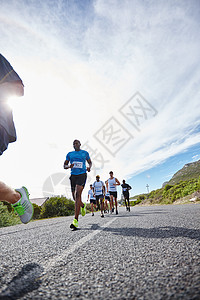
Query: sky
[[120, 76]]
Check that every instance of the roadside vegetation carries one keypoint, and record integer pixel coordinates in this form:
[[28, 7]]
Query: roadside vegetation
[[53, 207], [61, 206], [172, 193]]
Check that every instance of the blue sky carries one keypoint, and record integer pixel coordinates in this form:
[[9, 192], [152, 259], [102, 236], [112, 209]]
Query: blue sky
[[121, 76], [159, 174]]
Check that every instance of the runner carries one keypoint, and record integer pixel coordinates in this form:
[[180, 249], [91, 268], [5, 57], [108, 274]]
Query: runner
[[125, 190], [78, 177], [92, 199], [111, 184], [99, 192]]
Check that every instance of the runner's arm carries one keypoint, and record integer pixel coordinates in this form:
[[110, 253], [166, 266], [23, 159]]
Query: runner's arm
[[118, 183], [66, 165], [90, 165], [107, 185], [104, 190]]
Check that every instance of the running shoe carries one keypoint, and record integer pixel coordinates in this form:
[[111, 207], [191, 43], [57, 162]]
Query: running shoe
[[83, 210], [102, 215], [92, 214], [74, 224], [129, 209], [113, 209], [116, 212], [24, 208]]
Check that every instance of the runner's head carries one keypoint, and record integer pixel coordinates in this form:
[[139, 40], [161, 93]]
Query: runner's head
[[111, 173], [91, 186], [76, 145], [97, 178], [123, 181]]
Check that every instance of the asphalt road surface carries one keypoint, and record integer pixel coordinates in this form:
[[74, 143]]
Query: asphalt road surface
[[149, 253]]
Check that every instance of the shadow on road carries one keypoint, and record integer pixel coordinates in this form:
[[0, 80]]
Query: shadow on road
[[23, 283], [157, 232], [154, 232]]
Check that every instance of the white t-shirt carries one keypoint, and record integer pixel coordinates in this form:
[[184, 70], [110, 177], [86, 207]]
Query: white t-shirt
[[98, 187], [111, 186], [91, 194]]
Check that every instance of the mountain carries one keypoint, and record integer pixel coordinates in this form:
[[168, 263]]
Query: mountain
[[189, 171]]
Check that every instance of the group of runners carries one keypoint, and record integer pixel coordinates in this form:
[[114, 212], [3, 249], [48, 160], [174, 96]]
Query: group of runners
[[100, 193], [103, 196]]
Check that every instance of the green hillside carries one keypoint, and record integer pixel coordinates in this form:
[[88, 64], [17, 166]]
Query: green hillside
[[189, 171], [184, 184]]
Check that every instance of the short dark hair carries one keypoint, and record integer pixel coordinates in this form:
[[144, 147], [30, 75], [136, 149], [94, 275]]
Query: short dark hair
[[76, 141], [111, 172]]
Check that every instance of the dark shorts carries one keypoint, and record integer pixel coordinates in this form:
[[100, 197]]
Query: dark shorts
[[4, 140], [77, 180], [99, 197], [93, 201], [126, 196], [114, 194], [107, 198]]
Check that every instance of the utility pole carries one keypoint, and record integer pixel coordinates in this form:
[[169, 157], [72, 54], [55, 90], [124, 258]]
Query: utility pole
[[147, 188]]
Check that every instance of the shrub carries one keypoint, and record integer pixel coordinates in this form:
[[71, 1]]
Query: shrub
[[57, 206], [7, 218], [37, 211], [167, 187]]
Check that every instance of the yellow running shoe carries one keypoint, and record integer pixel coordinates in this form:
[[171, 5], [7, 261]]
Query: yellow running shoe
[[83, 210], [74, 224]]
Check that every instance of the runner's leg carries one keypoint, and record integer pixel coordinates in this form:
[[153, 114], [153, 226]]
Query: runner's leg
[[8, 194], [116, 205], [78, 201], [111, 203]]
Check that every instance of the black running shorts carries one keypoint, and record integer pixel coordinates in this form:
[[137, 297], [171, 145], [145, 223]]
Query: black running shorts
[[114, 194], [77, 180], [126, 195], [99, 197], [93, 201]]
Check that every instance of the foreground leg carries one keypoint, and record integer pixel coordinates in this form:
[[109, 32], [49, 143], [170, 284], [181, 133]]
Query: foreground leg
[[19, 200], [8, 194]]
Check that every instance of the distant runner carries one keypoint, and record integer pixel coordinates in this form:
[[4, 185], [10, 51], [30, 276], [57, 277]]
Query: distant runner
[[111, 185], [125, 190], [78, 177], [99, 192], [92, 199]]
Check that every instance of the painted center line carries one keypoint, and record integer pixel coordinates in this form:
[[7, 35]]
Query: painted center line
[[55, 261]]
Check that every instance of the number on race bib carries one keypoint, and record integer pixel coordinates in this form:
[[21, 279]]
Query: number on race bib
[[78, 164]]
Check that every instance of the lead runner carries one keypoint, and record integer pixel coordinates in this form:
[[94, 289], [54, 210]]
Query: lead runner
[[78, 177]]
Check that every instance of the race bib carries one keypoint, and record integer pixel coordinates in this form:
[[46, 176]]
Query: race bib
[[78, 164]]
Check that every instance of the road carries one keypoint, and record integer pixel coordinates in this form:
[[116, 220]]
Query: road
[[150, 253]]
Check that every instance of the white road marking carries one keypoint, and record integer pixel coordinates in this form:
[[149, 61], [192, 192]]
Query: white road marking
[[53, 262]]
